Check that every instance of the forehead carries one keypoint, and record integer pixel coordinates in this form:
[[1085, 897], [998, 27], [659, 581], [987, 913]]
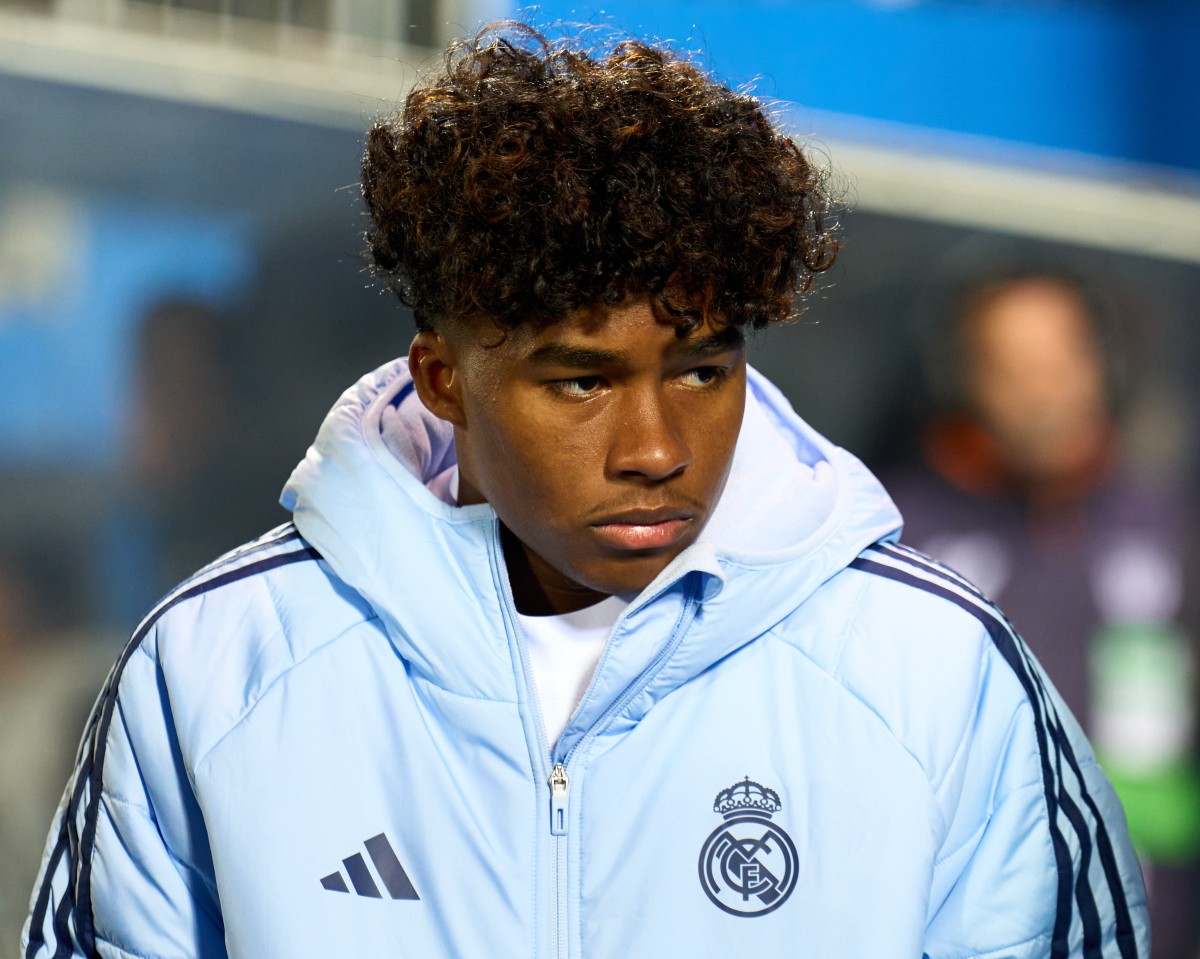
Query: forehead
[[637, 329], [1032, 316]]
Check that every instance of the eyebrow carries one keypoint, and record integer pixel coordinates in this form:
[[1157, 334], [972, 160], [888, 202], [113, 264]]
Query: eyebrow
[[728, 338], [578, 357], [582, 357]]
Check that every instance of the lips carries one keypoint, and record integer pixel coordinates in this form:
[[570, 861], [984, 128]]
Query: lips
[[644, 529]]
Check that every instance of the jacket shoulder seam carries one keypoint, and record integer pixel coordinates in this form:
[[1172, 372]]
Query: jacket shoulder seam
[[179, 863], [867, 707], [846, 633], [274, 683], [995, 804]]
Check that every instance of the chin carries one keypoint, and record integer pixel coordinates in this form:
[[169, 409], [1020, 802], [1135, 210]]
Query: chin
[[624, 577]]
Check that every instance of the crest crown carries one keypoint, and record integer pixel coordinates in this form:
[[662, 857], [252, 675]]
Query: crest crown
[[747, 795]]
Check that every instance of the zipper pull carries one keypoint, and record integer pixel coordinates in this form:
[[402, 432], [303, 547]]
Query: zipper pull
[[559, 784]]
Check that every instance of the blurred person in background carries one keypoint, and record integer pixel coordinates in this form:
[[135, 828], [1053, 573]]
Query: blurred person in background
[[1024, 489], [181, 441], [164, 514]]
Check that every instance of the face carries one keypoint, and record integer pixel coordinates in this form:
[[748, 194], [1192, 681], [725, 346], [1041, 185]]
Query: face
[[603, 442], [1037, 379]]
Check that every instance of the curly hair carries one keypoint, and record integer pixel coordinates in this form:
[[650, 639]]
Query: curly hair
[[528, 179]]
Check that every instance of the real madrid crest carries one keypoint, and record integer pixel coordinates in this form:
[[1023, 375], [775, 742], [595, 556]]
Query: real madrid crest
[[748, 864]]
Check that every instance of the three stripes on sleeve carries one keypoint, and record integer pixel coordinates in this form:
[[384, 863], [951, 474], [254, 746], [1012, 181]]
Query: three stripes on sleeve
[[1072, 810]]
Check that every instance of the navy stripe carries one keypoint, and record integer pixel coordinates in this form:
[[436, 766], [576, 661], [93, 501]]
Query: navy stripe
[[906, 554], [402, 395], [86, 739], [285, 534], [1088, 912], [37, 928], [1125, 936], [334, 882], [990, 616], [364, 885], [72, 830], [387, 864], [62, 929], [1060, 947], [90, 773], [68, 838]]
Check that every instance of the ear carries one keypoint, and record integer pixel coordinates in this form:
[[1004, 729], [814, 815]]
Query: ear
[[433, 363]]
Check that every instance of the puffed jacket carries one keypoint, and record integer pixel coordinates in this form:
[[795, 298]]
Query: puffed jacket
[[802, 739]]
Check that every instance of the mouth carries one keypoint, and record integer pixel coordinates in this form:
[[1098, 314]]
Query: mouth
[[644, 529]]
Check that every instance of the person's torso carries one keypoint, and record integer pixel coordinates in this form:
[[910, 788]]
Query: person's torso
[[358, 808]]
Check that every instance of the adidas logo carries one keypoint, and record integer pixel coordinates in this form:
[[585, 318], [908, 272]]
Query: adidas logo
[[387, 868]]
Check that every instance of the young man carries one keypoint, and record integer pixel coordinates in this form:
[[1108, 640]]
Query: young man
[[581, 643]]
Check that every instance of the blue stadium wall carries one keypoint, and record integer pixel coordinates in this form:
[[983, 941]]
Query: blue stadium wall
[[1116, 79]]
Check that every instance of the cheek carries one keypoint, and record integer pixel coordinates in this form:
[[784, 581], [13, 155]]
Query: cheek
[[714, 432], [535, 460]]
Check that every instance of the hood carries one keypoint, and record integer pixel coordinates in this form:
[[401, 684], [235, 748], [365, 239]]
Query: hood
[[372, 496]]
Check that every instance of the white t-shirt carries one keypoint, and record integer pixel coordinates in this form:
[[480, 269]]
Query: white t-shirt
[[563, 653], [563, 650]]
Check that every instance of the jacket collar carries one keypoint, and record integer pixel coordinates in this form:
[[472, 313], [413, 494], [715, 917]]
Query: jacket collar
[[796, 509]]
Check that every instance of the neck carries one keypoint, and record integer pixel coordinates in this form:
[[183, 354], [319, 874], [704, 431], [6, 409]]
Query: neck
[[538, 589]]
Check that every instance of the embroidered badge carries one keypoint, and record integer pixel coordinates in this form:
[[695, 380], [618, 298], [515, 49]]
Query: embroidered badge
[[748, 864]]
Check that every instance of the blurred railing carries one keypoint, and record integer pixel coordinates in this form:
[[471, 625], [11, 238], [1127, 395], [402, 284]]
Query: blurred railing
[[365, 26], [328, 61]]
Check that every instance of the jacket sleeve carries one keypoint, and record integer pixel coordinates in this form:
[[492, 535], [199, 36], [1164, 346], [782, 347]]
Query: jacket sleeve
[[127, 872], [1036, 860]]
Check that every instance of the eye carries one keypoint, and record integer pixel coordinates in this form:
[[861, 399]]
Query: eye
[[702, 376], [578, 385]]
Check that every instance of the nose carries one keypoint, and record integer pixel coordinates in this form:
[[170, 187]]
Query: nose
[[647, 442]]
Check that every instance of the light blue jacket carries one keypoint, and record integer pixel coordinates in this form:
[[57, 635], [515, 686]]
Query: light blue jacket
[[802, 740]]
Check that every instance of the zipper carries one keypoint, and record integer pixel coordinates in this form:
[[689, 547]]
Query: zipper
[[635, 685], [557, 777], [560, 781], [560, 785]]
